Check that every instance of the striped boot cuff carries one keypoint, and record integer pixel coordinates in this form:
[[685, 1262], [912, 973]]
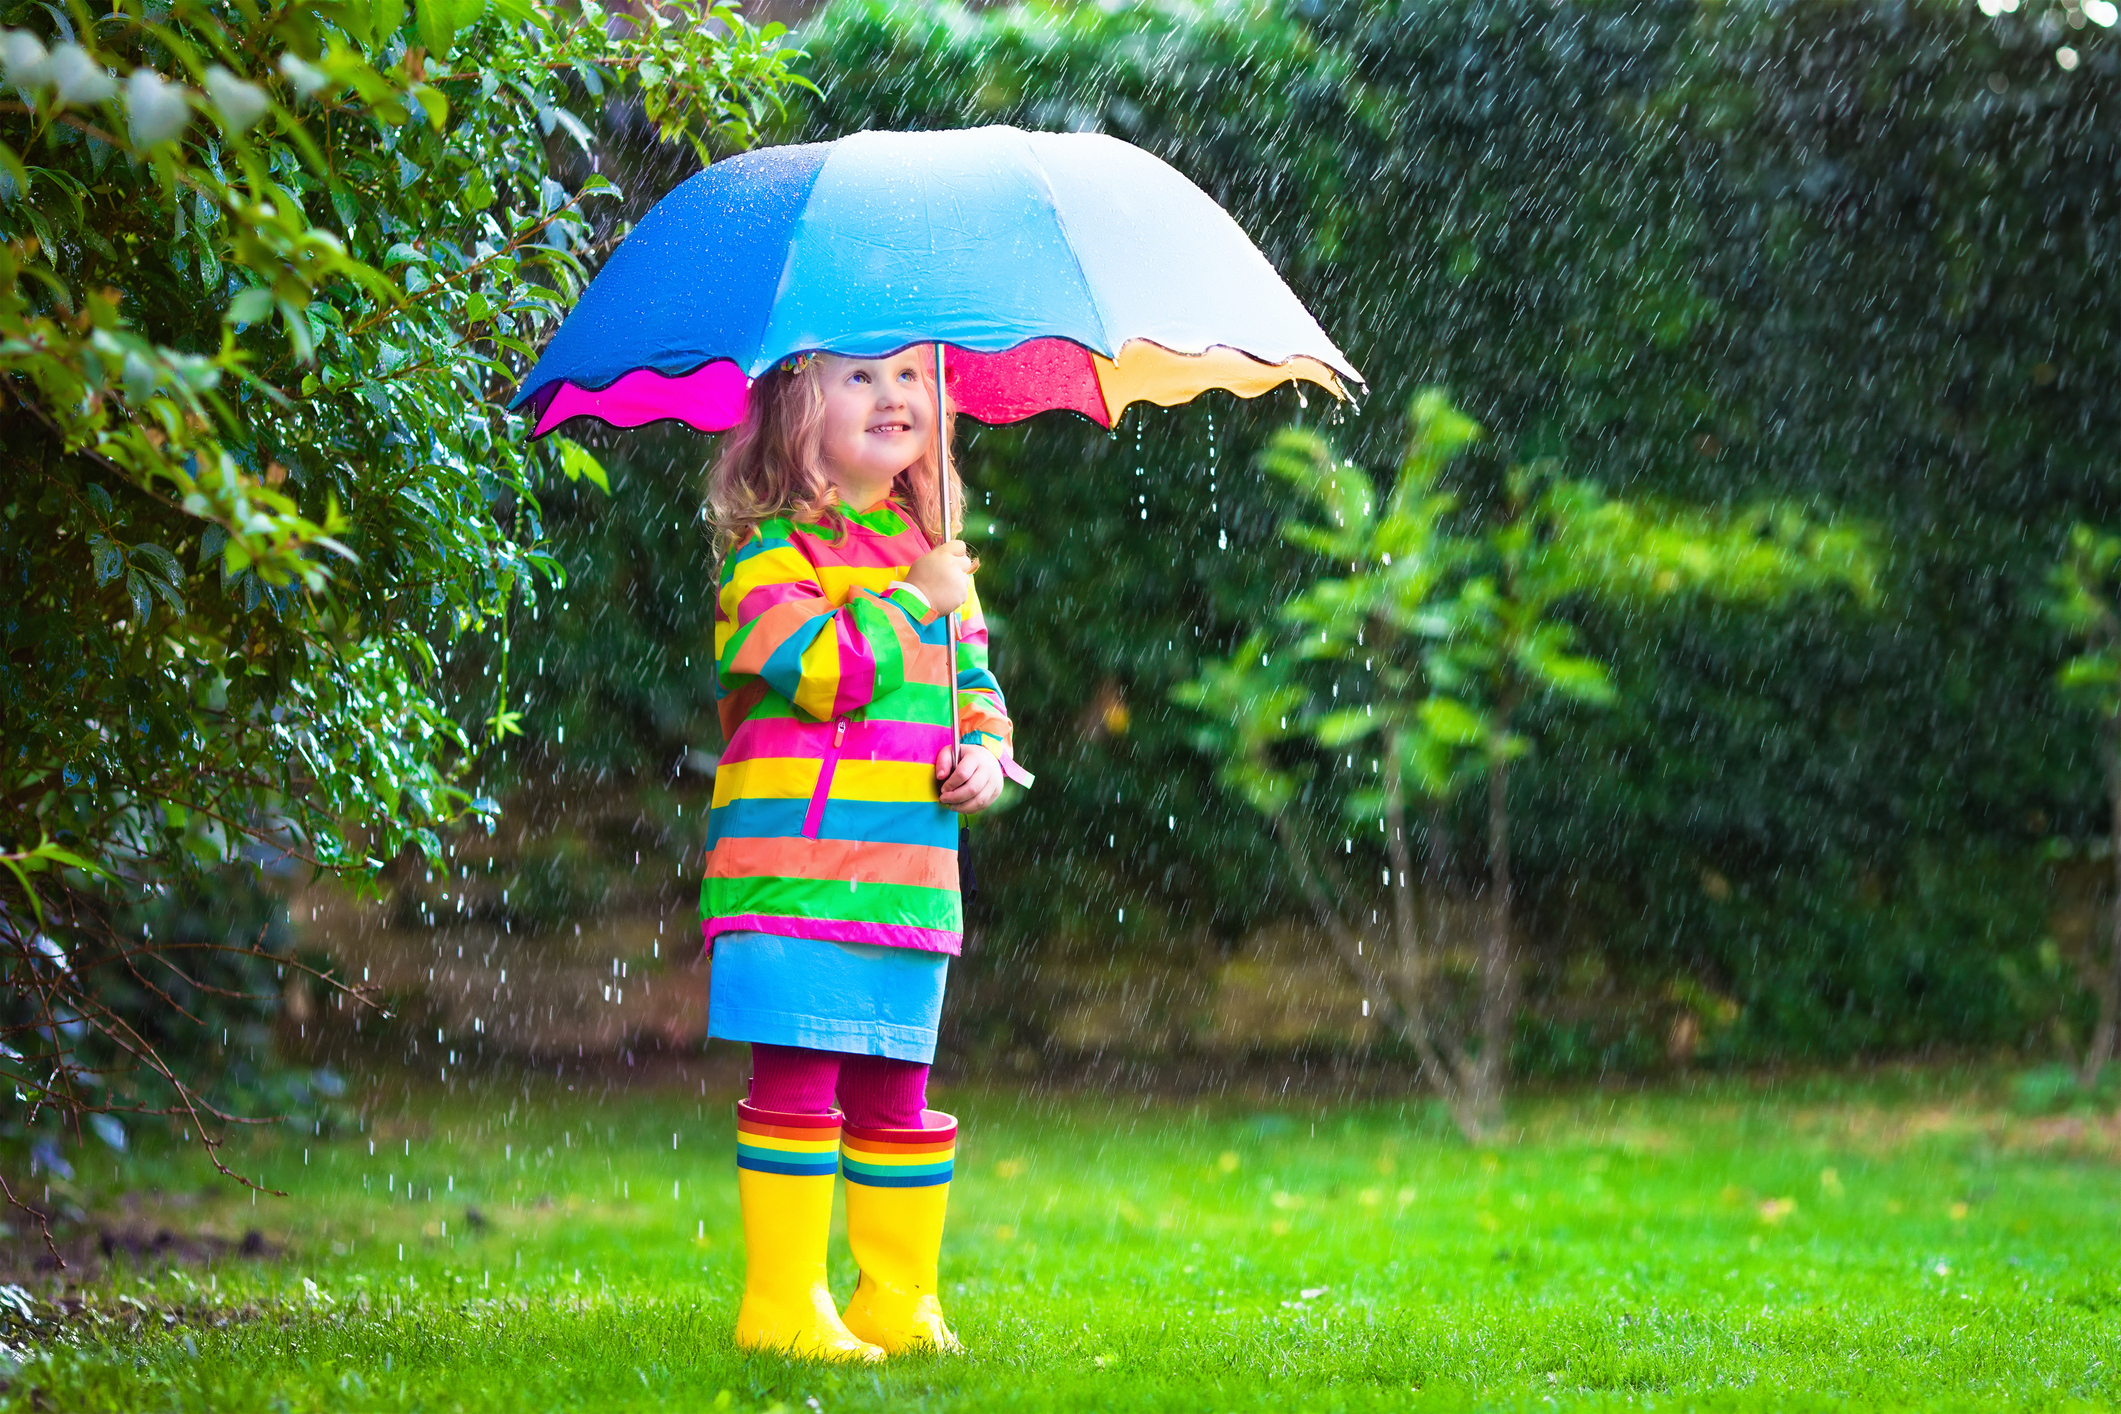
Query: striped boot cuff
[[901, 1158], [805, 1146]]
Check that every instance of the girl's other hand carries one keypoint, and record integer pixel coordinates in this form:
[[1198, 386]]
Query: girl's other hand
[[972, 782], [944, 574]]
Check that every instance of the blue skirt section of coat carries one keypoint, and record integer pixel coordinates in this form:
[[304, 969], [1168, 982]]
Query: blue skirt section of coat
[[851, 997]]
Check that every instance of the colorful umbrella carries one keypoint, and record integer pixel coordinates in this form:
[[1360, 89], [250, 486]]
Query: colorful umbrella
[[1058, 270], [1062, 270]]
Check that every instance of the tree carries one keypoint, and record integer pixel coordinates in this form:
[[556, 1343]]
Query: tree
[[1457, 622], [2087, 590], [264, 275], [1815, 249]]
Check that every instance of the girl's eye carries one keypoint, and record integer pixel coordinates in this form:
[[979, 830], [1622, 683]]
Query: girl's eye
[[857, 378]]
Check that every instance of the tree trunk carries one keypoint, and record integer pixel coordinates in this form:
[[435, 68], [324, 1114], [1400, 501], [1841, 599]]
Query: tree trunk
[[1443, 1060], [1407, 931], [1436, 874], [1448, 1061], [1441, 1066], [1498, 972], [2101, 1049]]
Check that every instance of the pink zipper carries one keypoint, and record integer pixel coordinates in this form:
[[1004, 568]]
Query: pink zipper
[[816, 814]]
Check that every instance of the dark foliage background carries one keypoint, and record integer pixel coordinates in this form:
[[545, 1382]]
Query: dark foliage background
[[1857, 254]]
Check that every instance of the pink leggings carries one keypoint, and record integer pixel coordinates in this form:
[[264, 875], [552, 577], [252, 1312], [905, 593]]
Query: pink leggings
[[874, 1092]]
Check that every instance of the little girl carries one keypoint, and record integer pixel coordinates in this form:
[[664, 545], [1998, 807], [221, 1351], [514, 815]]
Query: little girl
[[831, 903]]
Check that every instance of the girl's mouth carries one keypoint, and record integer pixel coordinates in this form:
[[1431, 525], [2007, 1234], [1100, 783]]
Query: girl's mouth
[[892, 429]]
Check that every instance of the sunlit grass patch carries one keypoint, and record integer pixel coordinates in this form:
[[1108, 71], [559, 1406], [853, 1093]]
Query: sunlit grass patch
[[1730, 1249]]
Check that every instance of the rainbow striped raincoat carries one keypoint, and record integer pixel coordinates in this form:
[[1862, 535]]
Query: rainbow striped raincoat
[[833, 681]]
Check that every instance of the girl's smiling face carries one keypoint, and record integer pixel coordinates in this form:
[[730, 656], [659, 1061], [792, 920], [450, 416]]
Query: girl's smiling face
[[879, 417]]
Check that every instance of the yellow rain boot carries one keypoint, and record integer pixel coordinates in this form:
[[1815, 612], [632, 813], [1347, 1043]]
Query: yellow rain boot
[[898, 1184], [784, 1169]]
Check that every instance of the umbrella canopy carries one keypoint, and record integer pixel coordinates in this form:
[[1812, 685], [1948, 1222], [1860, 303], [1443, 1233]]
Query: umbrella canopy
[[1063, 270]]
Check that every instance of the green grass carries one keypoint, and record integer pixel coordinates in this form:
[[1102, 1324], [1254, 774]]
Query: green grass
[[1882, 1246]]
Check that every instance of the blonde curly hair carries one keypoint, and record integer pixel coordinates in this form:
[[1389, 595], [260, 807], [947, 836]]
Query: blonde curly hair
[[772, 463]]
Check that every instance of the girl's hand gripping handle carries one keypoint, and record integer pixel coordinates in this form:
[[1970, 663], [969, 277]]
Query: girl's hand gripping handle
[[944, 575], [970, 779]]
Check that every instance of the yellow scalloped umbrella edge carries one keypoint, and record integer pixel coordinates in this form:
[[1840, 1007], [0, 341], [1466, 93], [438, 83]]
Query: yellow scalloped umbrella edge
[[1150, 373]]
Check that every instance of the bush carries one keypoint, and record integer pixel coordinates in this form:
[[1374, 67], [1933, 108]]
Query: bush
[[264, 278]]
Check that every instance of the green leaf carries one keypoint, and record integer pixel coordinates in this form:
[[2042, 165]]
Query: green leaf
[[441, 20], [1265, 789], [521, 12], [250, 305], [574, 127], [164, 563], [108, 559], [157, 110], [241, 104], [384, 18], [1341, 489], [22, 878], [1340, 728], [69, 859], [1572, 675], [143, 598], [2090, 672], [74, 75], [433, 104], [1452, 722], [580, 465], [1437, 433]]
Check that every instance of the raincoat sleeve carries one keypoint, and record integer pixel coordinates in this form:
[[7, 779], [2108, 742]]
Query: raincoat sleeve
[[982, 715], [773, 624]]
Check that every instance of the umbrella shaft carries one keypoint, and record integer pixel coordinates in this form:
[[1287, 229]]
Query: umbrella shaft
[[943, 479]]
